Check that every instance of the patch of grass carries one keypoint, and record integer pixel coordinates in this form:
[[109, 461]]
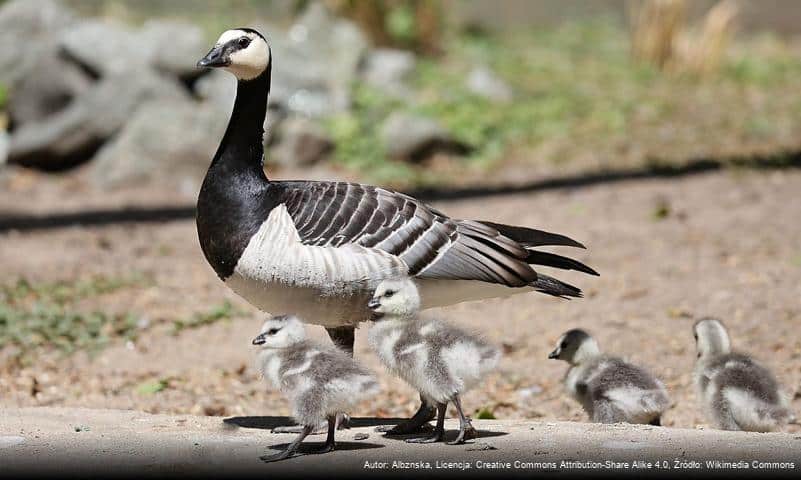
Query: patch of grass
[[225, 311], [580, 96], [152, 387], [484, 414], [44, 315]]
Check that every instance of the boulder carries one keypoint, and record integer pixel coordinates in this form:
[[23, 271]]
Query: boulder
[[300, 142], [414, 138], [104, 47], [484, 82], [389, 70], [49, 87], [174, 47], [71, 136], [29, 29], [170, 141], [315, 63]]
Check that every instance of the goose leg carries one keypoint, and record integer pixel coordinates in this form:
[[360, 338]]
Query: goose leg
[[439, 430], [330, 444], [343, 338], [417, 424], [307, 429], [466, 430]]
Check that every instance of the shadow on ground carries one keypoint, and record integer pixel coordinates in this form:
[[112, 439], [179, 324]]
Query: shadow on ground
[[654, 170]]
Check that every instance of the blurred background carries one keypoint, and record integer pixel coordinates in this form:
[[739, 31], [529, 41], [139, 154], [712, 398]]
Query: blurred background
[[664, 134]]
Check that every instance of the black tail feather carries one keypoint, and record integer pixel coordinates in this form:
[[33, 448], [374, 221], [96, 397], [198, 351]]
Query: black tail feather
[[530, 237], [557, 261], [557, 288]]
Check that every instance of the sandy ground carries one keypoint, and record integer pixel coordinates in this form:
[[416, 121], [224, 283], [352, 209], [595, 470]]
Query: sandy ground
[[130, 443], [730, 247]]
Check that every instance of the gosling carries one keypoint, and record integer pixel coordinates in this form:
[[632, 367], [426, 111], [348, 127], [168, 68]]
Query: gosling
[[737, 392], [610, 389], [319, 381], [440, 361]]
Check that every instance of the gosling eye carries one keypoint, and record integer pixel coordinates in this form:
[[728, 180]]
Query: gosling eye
[[244, 42], [388, 293], [273, 331]]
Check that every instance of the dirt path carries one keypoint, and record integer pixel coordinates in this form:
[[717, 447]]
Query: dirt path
[[726, 244]]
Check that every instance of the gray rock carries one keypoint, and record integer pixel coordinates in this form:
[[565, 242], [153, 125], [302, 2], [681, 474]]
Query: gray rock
[[28, 31], [174, 47], [389, 70], [104, 47], [4, 140], [300, 142], [414, 138], [73, 134], [315, 63], [169, 141], [484, 82], [49, 87]]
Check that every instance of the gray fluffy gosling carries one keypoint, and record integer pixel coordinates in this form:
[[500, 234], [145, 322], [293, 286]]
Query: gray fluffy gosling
[[610, 389], [319, 381], [737, 392], [437, 359]]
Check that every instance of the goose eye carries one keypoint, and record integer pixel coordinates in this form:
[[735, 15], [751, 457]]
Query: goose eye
[[273, 331], [244, 42], [563, 345], [388, 293]]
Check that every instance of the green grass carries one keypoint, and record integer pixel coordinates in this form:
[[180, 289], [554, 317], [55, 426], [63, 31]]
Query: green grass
[[225, 311], [42, 316], [579, 94]]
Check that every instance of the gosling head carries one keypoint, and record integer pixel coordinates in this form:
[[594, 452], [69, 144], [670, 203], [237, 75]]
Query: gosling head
[[242, 51], [575, 346], [711, 338], [281, 331], [397, 298]]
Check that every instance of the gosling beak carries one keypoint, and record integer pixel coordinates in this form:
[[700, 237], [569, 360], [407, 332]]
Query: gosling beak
[[373, 304], [554, 355], [259, 340], [217, 57]]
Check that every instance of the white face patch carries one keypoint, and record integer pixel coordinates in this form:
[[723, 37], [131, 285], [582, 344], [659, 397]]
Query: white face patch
[[249, 62]]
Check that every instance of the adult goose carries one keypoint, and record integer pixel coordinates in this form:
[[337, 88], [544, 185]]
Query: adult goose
[[318, 249]]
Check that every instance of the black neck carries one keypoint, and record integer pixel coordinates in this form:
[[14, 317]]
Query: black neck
[[242, 148]]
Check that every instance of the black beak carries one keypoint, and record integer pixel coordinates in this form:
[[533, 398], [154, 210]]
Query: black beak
[[373, 304], [217, 57], [554, 355], [259, 340]]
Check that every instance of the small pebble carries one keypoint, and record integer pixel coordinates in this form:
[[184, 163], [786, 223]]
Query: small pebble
[[477, 447], [361, 436]]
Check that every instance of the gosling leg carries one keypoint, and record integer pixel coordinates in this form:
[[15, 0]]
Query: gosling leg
[[466, 430], [291, 449], [417, 424], [439, 430]]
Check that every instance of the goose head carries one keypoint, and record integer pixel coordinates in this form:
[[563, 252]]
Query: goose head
[[280, 331], [242, 51], [711, 338], [397, 298], [575, 346]]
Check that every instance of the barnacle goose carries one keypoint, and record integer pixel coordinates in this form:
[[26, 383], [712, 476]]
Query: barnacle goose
[[439, 360], [737, 392], [319, 249], [610, 389], [319, 381]]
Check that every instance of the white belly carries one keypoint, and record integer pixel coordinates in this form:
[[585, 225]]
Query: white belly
[[323, 285]]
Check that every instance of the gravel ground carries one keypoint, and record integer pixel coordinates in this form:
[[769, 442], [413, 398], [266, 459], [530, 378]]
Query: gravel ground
[[725, 244]]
